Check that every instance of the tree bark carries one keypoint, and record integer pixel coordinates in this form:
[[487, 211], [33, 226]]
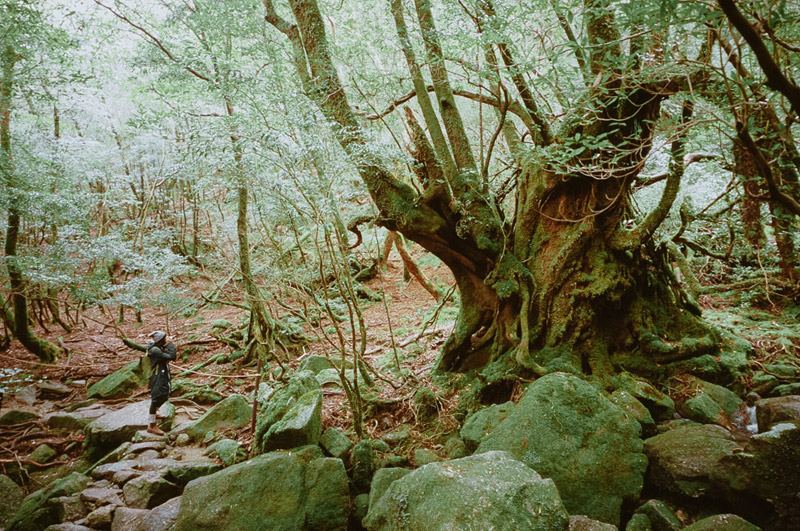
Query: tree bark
[[46, 351]]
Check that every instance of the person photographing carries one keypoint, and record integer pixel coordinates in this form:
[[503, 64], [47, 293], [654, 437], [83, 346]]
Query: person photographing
[[160, 353]]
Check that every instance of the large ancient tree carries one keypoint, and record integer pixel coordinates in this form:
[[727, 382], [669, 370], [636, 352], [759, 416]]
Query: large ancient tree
[[554, 280]]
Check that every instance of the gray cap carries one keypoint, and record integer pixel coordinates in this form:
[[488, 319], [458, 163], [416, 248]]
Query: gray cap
[[157, 336]]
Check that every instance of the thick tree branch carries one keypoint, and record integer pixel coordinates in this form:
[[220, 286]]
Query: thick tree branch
[[631, 239], [775, 78], [762, 165]]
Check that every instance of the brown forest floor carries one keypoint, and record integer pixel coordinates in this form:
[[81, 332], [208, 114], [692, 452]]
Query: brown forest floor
[[95, 350]]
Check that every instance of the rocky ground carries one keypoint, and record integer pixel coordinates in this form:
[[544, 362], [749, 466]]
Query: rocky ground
[[717, 446]]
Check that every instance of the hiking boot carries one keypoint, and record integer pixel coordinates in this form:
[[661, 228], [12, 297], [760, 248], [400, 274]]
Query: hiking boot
[[155, 430]]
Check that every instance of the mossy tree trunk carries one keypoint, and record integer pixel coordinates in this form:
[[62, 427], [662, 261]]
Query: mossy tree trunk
[[560, 285], [17, 316]]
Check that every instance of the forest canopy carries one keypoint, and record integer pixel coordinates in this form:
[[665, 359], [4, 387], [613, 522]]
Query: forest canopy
[[588, 172]]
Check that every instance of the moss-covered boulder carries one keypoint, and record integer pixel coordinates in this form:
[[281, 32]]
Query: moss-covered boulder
[[487, 491], [335, 443], [16, 416], [122, 382], [722, 522], [315, 364], [283, 491], [710, 403], [10, 499], [116, 427], [35, 513], [771, 411], [481, 423], [277, 403], [300, 426], [231, 414], [682, 460], [566, 429]]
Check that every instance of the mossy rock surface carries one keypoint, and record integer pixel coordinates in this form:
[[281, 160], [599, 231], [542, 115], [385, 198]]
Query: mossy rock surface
[[122, 382], [488, 491], [683, 460], [280, 491], [233, 412], [481, 423], [722, 522], [277, 403], [16, 416], [10, 499], [566, 429], [300, 426], [35, 513]]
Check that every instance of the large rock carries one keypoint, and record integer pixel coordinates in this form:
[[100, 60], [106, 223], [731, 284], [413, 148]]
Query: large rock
[[279, 491], [771, 411], [73, 421], [232, 413], [10, 499], [117, 427], [770, 466], [683, 460], [149, 490], [276, 404], [122, 382], [488, 491], [300, 426], [184, 472], [16, 416], [481, 423], [36, 513], [567, 430], [162, 517], [722, 522]]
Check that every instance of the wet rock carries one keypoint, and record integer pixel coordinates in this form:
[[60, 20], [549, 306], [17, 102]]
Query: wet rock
[[300, 426], [10, 499], [771, 411], [108, 470], [722, 522], [660, 406], [382, 479], [582, 523], [122, 382], [52, 390], [660, 516], [567, 430], [95, 497], [183, 473], [67, 527], [335, 443], [148, 491], [315, 364], [281, 401], [455, 448], [631, 405], [231, 414], [229, 451], [489, 491], [424, 456], [123, 476], [69, 508], [36, 512], [43, 453], [682, 460], [481, 423], [101, 517], [128, 519], [16, 416], [74, 421], [163, 517], [117, 427], [287, 490]]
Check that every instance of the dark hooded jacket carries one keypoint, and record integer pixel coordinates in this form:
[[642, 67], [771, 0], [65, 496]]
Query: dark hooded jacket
[[160, 380]]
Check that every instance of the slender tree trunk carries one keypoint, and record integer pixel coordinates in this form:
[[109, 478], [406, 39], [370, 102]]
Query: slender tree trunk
[[44, 350]]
